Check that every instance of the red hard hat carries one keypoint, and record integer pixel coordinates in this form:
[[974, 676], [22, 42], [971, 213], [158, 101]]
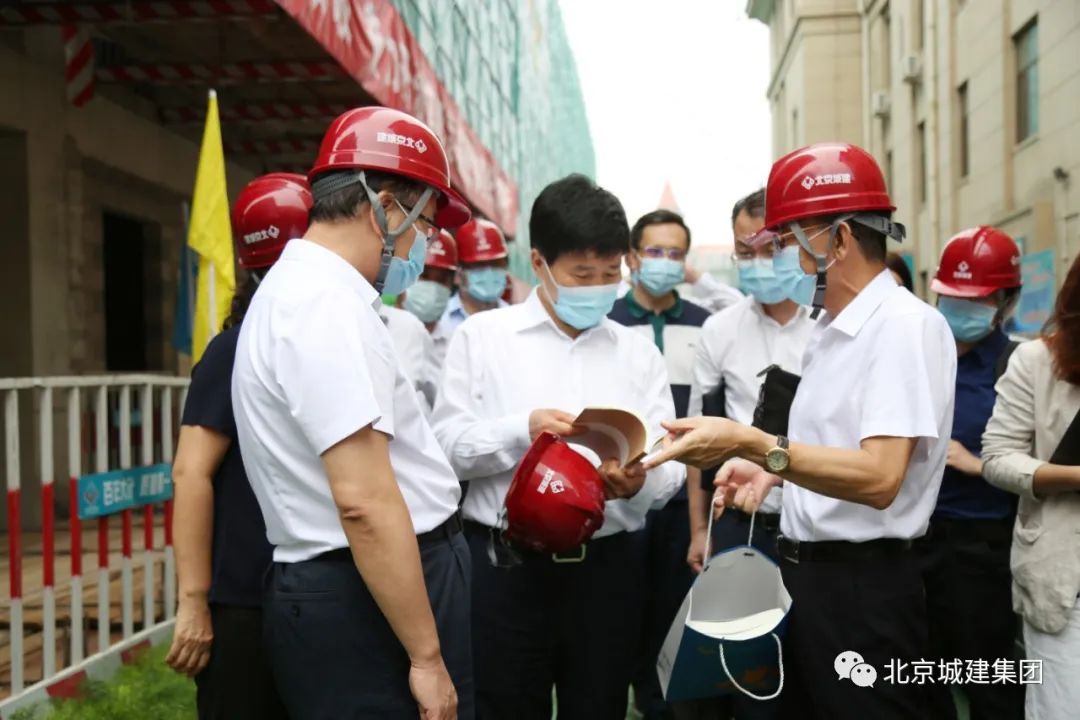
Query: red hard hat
[[480, 241], [270, 210], [824, 179], [388, 140], [976, 262], [556, 500], [442, 251]]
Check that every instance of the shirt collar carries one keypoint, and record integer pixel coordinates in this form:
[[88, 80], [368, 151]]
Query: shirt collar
[[454, 306], [531, 313], [327, 261], [639, 311], [755, 307], [988, 350], [862, 306]]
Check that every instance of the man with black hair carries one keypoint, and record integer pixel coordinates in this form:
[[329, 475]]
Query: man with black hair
[[569, 621], [869, 429], [659, 242], [366, 605]]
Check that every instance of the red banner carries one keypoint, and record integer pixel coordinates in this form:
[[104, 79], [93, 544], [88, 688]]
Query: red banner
[[372, 43]]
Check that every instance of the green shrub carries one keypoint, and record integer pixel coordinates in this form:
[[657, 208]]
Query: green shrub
[[144, 690]]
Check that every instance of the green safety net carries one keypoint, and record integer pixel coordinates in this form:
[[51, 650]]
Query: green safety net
[[509, 66]]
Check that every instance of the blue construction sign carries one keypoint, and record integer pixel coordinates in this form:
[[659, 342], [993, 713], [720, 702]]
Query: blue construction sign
[[110, 492]]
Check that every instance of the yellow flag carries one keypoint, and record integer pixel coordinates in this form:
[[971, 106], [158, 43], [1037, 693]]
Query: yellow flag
[[210, 235]]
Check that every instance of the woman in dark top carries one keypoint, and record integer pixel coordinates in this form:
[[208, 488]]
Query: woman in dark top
[[220, 538]]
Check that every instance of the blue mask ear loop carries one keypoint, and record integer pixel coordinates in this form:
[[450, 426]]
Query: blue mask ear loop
[[390, 236]]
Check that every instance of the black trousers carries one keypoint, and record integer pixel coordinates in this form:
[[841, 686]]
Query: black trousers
[[543, 624], [732, 529], [874, 607], [335, 656], [668, 579], [965, 565], [237, 683]]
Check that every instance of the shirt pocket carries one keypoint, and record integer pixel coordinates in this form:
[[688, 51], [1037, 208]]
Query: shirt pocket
[[1029, 522]]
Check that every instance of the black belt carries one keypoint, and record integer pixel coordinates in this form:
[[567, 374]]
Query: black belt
[[448, 529], [767, 521], [574, 555], [841, 550]]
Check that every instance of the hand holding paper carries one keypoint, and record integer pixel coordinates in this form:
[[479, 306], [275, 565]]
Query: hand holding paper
[[553, 421], [621, 482]]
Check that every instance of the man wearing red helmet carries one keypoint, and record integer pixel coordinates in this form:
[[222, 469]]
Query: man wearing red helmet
[[367, 607], [965, 554], [569, 620], [219, 535], [481, 277], [428, 298], [869, 431]]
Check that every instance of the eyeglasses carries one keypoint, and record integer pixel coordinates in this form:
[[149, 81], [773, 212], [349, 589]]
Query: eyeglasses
[[429, 228], [676, 254], [744, 250]]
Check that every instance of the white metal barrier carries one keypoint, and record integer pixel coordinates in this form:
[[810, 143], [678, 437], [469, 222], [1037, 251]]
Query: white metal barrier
[[101, 440]]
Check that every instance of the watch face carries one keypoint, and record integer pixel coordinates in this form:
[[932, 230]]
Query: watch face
[[777, 460]]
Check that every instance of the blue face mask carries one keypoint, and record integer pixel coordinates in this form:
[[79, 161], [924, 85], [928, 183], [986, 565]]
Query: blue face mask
[[427, 300], [794, 283], [970, 321], [582, 307], [659, 276], [758, 278], [401, 274], [487, 284]]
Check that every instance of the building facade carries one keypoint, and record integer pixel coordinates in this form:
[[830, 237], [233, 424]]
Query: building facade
[[971, 107]]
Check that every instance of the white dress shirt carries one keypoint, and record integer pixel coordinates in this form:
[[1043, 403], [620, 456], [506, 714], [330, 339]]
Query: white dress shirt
[[713, 295], [452, 316], [414, 348], [314, 364], [503, 364], [736, 344], [884, 367]]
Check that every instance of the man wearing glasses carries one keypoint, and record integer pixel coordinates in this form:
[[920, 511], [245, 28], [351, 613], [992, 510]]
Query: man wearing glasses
[[659, 242], [869, 430], [366, 607]]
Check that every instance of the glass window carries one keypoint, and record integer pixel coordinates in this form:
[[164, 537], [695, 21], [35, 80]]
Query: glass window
[[1026, 43], [962, 111]]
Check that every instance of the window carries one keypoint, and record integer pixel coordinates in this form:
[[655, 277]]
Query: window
[[1026, 43], [964, 138], [921, 150]]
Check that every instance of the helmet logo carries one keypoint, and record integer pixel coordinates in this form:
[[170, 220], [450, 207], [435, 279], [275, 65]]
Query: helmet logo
[[543, 486], [1014, 260], [437, 248], [483, 244], [270, 233], [828, 179], [962, 271], [394, 139]]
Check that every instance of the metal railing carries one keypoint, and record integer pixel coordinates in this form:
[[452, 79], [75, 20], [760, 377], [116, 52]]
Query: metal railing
[[98, 440]]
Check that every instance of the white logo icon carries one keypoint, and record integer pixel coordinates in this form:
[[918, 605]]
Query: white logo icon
[[394, 139], [543, 486], [557, 486], [963, 271], [421, 146], [808, 182], [850, 665], [827, 179], [273, 231]]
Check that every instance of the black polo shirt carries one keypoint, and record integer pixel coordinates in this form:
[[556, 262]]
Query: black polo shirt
[[241, 553]]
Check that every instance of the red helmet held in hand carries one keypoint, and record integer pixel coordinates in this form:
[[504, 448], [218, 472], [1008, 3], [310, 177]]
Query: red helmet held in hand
[[556, 500], [480, 241], [270, 211], [387, 140], [977, 262]]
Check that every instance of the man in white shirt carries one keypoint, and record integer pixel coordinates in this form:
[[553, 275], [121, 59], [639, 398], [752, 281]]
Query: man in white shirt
[[367, 607], [869, 429], [413, 345], [570, 621]]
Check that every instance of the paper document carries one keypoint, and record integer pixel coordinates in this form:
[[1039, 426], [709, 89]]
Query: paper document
[[743, 628], [613, 433]]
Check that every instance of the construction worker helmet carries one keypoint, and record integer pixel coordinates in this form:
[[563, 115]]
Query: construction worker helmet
[[976, 263], [480, 241], [270, 211], [382, 139], [442, 252], [556, 499]]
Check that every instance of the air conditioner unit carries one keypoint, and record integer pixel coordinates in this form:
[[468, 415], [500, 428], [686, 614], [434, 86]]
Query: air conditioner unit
[[880, 103], [911, 68]]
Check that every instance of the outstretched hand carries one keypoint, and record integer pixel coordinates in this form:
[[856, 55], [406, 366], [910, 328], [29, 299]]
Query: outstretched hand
[[701, 442]]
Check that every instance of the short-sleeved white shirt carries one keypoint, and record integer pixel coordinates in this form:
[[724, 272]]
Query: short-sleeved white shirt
[[315, 364], [884, 367]]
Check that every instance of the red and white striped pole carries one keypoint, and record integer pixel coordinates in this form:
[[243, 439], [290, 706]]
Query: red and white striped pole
[[147, 458], [48, 532], [101, 456], [126, 589], [74, 429], [167, 456], [11, 445], [78, 64]]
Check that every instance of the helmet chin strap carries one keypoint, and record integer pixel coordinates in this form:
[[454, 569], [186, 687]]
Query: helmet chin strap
[[389, 237], [820, 261]]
